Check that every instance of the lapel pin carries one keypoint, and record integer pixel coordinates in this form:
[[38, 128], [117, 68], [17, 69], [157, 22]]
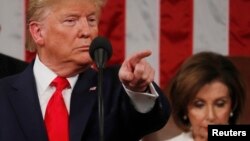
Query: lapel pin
[[92, 88]]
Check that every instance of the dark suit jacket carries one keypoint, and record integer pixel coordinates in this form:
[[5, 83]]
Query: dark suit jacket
[[10, 65], [21, 117]]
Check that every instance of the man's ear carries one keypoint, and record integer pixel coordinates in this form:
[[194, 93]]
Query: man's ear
[[35, 29]]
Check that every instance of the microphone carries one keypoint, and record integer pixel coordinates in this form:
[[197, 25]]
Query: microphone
[[100, 51]]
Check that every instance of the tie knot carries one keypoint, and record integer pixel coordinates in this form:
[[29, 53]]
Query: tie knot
[[60, 83]]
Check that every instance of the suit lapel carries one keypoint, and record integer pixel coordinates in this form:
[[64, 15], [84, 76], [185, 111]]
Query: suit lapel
[[25, 102], [82, 101], [26, 106]]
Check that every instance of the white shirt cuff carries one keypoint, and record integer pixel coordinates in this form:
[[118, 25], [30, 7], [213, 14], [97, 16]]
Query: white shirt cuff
[[143, 102]]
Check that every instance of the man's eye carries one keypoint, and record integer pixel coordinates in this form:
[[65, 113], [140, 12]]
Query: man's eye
[[92, 21], [70, 21]]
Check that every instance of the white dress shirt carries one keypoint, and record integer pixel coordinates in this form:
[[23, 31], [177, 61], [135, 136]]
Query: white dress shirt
[[143, 102], [184, 136]]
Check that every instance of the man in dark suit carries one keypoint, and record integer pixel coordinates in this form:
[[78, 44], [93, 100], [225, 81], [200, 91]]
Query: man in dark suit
[[10, 65], [62, 31]]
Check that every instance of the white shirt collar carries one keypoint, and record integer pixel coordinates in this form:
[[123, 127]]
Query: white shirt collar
[[44, 76]]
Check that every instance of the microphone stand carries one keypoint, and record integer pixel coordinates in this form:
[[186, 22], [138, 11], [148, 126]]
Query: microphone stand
[[101, 58], [100, 104], [100, 51]]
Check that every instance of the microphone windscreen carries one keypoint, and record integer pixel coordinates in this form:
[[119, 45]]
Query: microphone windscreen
[[100, 42]]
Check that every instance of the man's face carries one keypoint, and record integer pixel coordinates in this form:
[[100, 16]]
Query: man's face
[[67, 32]]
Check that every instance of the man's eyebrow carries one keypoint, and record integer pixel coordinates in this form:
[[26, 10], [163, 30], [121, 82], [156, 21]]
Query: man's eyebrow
[[70, 14], [76, 14], [91, 13]]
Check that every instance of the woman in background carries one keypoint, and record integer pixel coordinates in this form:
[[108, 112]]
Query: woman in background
[[206, 90]]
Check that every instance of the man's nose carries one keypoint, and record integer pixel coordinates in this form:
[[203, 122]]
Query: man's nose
[[84, 29]]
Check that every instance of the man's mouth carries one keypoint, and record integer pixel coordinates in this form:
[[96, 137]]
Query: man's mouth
[[83, 48]]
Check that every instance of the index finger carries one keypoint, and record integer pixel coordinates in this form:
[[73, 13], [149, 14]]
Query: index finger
[[137, 57]]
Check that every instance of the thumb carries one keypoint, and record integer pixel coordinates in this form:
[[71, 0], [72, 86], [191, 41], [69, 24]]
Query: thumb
[[125, 75]]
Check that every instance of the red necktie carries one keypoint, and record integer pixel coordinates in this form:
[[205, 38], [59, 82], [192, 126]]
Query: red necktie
[[56, 116]]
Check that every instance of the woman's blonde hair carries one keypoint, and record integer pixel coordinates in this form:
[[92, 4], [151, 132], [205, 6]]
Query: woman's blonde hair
[[37, 10]]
